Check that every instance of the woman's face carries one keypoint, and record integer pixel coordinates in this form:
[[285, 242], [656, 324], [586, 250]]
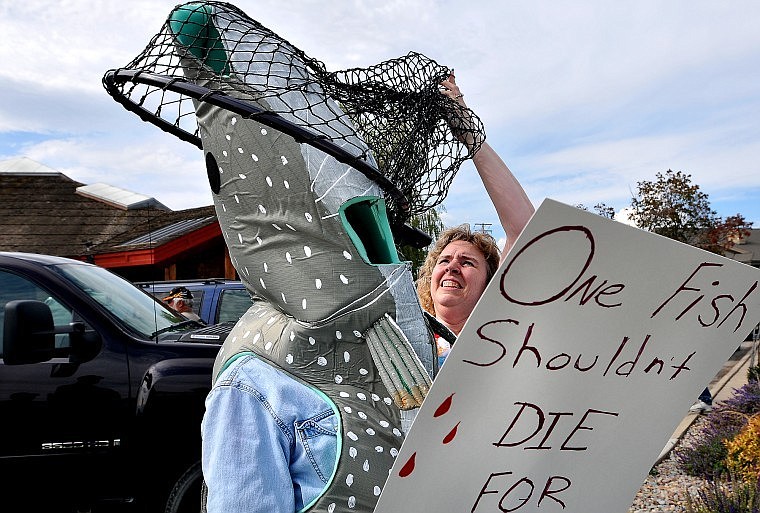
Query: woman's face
[[459, 278]]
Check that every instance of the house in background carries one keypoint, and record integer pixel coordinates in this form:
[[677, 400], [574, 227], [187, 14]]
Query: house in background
[[747, 249], [133, 235], [44, 211]]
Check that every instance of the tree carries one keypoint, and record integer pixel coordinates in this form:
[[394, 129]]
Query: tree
[[674, 207], [601, 209], [726, 233], [429, 222]]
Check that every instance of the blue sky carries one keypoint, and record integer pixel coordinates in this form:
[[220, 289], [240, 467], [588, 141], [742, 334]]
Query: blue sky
[[581, 99]]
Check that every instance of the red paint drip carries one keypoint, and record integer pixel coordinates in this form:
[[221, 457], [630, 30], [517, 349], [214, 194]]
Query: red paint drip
[[444, 407], [408, 467], [448, 438]]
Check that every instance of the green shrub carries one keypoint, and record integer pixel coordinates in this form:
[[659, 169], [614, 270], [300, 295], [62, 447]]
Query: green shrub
[[729, 495], [743, 457], [704, 451], [753, 373]]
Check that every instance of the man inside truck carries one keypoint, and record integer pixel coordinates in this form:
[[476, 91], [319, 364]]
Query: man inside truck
[[181, 299]]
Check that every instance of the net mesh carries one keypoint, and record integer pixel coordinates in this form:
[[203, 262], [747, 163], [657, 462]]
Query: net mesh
[[390, 119]]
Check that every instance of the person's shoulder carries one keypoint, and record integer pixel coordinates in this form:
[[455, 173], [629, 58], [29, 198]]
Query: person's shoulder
[[251, 370], [246, 368], [191, 316], [284, 394]]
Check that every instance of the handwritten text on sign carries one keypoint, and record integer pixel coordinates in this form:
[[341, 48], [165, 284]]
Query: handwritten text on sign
[[582, 356]]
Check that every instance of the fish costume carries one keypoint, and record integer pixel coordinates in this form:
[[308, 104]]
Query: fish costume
[[294, 157]]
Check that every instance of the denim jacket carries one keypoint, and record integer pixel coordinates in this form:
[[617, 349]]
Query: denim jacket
[[290, 429]]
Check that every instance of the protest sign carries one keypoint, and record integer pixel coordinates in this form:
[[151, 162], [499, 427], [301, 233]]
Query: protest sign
[[582, 356]]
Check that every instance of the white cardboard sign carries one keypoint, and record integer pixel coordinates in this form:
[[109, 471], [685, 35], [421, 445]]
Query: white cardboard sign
[[581, 358]]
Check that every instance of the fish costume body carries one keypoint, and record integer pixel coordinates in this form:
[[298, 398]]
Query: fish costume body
[[309, 235]]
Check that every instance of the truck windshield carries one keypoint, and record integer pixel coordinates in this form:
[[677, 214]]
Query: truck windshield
[[136, 309]]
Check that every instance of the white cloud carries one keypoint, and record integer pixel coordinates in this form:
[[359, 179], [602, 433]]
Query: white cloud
[[160, 165], [624, 216], [501, 242]]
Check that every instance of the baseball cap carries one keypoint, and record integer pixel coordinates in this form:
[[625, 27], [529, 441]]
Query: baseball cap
[[179, 292]]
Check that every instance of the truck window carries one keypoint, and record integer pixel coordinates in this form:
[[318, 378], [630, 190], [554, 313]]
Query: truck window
[[197, 299], [161, 292], [14, 287], [233, 303], [126, 303]]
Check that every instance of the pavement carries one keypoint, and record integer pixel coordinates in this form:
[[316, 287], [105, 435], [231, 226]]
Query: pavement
[[732, 375]]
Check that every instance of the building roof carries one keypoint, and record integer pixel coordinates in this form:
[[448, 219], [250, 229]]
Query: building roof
[[44, 211], [25, 166], [117, 197], [747, 250], [169, 232]]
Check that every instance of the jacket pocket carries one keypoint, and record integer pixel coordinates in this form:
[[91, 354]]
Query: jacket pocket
[[319, 437]]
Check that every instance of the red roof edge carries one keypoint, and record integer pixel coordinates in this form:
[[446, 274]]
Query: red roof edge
[[161, 253]]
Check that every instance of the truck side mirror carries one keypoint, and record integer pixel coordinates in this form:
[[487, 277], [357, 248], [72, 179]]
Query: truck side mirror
[[85, 345], [28, 333]]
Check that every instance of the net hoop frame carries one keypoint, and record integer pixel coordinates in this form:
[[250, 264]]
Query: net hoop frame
[[112, 79]]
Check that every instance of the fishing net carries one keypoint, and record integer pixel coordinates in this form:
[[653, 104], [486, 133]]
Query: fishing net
[[388, 121]]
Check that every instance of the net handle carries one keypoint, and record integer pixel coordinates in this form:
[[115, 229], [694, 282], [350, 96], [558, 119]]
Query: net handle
[[114, 78]]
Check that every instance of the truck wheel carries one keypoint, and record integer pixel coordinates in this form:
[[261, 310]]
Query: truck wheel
[[185, 495]]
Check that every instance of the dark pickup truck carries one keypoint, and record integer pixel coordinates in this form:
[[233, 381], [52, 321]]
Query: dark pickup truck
[[101, 391]]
